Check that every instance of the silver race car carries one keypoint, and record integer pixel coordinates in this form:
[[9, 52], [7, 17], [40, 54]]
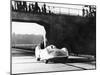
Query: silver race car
[[51, 53]]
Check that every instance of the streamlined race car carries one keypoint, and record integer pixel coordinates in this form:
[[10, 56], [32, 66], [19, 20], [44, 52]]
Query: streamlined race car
[[51, 53]]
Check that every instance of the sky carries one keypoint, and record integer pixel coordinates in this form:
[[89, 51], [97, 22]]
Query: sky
[[27, 28]]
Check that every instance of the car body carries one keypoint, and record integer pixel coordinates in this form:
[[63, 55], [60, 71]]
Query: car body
[[50, 52]]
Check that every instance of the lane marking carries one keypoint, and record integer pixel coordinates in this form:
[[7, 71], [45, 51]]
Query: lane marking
[[24, 50], [76, 66]]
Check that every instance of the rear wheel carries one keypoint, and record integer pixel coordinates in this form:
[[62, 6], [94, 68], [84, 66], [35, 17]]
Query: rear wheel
[[66, 59], [46, 61]]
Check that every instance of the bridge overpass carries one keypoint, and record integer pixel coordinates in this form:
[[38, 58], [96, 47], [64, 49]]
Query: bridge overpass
[[76, 33]]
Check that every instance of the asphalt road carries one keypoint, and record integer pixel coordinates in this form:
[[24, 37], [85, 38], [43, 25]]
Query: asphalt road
[[24, 62]]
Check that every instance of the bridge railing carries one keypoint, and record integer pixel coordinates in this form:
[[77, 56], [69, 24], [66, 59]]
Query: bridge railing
[[53, 8]]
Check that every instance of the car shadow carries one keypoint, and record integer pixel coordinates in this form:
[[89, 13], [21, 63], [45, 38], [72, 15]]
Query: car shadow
[[79, 60], [72, 60]]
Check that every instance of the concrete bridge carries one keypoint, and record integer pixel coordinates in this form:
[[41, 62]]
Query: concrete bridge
[[76, 33]]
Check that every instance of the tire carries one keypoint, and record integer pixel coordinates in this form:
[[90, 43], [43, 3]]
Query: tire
[[66, 60], [38, 59], [46, 61]]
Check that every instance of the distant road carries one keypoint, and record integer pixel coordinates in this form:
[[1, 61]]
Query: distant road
[[24, 62]]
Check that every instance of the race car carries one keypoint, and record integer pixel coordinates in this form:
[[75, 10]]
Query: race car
[[51, 53]]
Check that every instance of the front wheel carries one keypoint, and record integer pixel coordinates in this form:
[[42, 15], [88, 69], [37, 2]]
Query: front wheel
[[38, 59]]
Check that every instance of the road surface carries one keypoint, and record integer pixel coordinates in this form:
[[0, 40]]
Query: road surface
[[24, 62]]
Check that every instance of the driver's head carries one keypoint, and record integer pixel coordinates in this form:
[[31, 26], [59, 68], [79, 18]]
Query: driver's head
[[51, 47]]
